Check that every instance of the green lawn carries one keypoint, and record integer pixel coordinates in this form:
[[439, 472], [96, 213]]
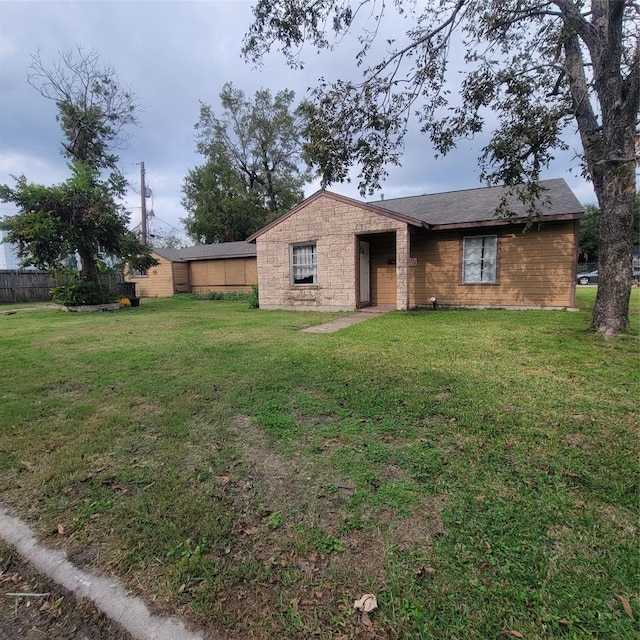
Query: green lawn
[[476, 470]]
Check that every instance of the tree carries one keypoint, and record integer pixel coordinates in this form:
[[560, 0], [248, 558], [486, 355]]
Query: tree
[[81, 215], [588, 242], [94, 108], [588, 234], [253, 170], [78, 216], [221, 207], [167, 240], [539, 66]]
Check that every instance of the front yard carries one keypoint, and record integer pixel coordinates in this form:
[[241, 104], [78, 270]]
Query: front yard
[[476, 470]]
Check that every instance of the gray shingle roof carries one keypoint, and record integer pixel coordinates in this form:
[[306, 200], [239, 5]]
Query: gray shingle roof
[[209, 251], [169, 254], [479, 205]]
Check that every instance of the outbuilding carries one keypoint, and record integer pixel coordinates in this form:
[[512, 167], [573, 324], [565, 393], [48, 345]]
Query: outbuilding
[[226, 267]]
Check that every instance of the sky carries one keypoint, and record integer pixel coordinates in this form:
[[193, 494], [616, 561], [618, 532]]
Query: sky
[[173, 55]]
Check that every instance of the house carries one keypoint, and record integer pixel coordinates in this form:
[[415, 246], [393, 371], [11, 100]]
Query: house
[[9, 254], [336, 253], [227, 267]]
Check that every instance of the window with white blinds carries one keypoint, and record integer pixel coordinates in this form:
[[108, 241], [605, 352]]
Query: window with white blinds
[[479, 259], [304, 268]]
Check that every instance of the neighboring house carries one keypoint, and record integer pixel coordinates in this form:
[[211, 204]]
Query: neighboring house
[[335, 253], [9, 255], [224, 267]]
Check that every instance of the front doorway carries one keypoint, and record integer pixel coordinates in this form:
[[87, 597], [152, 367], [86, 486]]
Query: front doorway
[[377, 269]]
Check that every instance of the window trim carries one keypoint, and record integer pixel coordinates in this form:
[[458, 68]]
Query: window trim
[[292, 247], [496, 280]]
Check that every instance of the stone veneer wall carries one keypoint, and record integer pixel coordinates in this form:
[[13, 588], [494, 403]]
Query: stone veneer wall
[[333, 225]]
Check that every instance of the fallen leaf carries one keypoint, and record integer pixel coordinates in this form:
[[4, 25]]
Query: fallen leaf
[[626, 606], [516, 634], [366, 603], [319, 594], [182, 588], [223, 480], [250, 531], [425, 572], [60, 530], [564, 622]]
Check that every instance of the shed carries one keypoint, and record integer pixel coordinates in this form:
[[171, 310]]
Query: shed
[[225, 267]]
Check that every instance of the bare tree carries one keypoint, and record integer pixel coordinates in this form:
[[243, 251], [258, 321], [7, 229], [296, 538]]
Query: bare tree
[[94, 108]]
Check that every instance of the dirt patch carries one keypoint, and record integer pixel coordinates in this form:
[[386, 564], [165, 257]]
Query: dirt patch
[[52, 614], [578, 441]]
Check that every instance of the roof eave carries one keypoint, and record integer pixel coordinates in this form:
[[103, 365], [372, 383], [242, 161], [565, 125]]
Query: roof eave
[[220, 257], [504, 222]]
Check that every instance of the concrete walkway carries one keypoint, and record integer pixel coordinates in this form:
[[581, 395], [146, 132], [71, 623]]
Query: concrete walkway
[[341, 323], [108, 595]]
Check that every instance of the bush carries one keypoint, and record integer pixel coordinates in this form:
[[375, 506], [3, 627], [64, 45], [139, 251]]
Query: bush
[[254, 299], [78, 291]]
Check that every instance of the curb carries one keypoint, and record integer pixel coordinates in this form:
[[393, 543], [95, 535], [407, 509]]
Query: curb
[[107, 595]]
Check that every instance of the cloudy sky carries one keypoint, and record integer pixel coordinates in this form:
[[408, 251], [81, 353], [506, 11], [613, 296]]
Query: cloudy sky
[[173, 54]]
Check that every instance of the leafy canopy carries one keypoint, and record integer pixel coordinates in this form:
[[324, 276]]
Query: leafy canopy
[[254, 168], [78, 215]]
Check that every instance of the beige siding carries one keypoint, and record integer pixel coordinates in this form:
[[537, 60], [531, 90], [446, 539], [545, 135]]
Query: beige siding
[[231, 275], [383, 272], [535, 268], [158, 283], [181, 277]]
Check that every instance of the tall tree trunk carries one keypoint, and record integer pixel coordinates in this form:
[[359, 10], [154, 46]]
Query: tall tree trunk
[[89, 264], [608, 141], [616, 199]]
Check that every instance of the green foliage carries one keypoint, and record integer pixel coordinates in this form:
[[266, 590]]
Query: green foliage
[[329, 544], [211, 295], [253, 164], [78, 216], [254, 297], [275, 520], [588, 234], [589, 231], [481, 480], [79, 291], [94, 108], [221, 209]]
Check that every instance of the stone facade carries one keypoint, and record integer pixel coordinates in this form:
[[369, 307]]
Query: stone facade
[[334, 225]]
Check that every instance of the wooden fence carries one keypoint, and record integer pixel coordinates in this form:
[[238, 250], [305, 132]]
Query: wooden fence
[[24, 285], [30, 285]]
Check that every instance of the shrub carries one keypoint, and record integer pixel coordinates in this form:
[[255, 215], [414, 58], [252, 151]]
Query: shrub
[[254, 299], [79, 291]]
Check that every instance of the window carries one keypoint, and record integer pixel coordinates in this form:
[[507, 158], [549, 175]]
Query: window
[[479, 258], [138, 273], [304, 269]]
